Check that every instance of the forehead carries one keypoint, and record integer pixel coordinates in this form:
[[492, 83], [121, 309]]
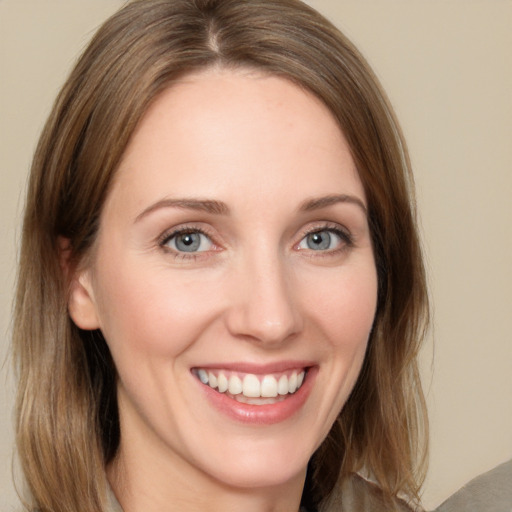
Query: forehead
[[239, 128]]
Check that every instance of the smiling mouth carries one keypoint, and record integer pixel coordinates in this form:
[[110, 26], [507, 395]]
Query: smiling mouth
[[251, 388]]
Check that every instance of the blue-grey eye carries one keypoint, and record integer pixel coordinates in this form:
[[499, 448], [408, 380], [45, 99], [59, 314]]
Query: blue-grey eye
[[192, 241], [320, 241]]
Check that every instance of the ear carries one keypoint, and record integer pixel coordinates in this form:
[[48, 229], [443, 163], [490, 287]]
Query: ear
[[81, 303]]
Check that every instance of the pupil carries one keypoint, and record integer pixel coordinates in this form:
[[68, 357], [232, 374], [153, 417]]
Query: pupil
[[319, 241], [188, 242]]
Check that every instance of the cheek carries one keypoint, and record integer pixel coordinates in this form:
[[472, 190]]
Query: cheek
[[345, 306], [150, 311]]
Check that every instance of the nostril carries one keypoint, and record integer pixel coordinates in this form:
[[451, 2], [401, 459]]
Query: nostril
[[264, 327], [263, 304]]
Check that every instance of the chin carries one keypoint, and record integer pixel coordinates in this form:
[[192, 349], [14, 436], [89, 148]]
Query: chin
[[261, 463], [253, 475]]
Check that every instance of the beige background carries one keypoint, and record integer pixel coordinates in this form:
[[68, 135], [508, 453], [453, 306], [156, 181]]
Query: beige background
[[446, 65]]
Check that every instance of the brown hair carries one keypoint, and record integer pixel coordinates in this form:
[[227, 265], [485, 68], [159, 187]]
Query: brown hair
[[67, 420]]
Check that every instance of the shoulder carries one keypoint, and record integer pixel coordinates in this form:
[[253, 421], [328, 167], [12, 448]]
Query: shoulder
[[490, 492], [358, 493]]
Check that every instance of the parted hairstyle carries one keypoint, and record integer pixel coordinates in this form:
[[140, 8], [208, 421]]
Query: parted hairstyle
[[67, 423]]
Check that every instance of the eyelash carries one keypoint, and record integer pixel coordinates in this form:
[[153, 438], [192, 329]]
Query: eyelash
[[344, 235], [166, 237]]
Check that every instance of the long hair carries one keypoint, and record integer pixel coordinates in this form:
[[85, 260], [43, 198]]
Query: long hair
[[67, 418]]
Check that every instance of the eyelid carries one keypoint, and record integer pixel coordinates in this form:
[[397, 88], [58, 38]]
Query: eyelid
[[326, 226], [333, 227], [180, 230], [314, 227], [169, 234]]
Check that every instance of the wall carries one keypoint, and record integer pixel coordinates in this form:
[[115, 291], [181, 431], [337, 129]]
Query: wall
[[446, 65]]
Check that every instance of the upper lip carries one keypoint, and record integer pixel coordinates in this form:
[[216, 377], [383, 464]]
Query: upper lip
[[257, 368]]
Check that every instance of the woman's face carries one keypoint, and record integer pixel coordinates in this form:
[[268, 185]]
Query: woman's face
[[233, 264]]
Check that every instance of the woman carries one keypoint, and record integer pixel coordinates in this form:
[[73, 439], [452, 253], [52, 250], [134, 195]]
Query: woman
[[221, 295]]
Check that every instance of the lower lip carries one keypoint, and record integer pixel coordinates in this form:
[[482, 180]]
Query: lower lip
[[261, 414]]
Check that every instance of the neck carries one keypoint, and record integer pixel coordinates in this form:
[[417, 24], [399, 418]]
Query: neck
[[144, 483]]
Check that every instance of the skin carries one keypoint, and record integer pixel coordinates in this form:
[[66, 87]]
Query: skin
[[255, 292]]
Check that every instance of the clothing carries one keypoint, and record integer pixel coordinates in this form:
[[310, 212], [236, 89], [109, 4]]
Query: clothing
[[490, 492], [358, 495], [115, 507], [113, 503]]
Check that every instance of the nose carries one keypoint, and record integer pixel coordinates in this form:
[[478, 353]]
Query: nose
[[263, 307]]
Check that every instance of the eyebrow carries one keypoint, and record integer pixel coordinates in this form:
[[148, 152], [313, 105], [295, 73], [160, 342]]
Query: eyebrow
[[325, 201], [202, 205], [220, 208]]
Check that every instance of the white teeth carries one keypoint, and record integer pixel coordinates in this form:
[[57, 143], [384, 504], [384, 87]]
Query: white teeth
[[292, 383], [253, 386], [235, 385], [203, 376], [269, 386], [300, 379], [222, 382], [212, 380], [282, 385]]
